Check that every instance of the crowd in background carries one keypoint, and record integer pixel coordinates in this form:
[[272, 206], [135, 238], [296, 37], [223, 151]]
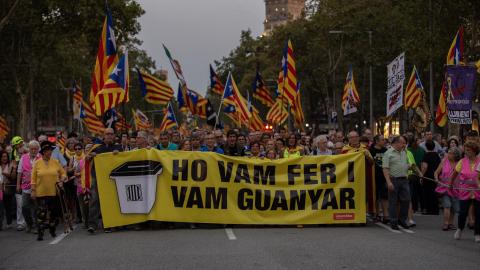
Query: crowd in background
[[42, 181]]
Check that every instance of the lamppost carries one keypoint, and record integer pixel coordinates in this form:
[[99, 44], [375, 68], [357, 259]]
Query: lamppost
[[372, 126]]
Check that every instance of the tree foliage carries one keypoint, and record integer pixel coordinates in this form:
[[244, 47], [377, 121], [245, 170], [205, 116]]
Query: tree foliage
[[47, 44], [422, 31]]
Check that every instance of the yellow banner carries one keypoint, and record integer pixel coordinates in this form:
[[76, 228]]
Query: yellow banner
[[198, 187]]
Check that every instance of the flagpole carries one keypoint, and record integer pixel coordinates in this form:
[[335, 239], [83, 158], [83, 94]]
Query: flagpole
[[221, 102]]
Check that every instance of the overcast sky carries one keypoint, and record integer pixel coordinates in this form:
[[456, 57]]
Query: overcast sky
[[197, 32]]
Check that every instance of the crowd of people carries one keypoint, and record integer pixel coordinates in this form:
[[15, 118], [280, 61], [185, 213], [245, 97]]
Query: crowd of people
[[42, 182]]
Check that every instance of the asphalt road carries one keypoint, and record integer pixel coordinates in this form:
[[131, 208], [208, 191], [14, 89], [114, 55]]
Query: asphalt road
[[346, 247]]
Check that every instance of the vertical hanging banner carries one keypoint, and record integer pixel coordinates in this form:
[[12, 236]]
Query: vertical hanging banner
[[460, 85], [198, 187], [396, 77]]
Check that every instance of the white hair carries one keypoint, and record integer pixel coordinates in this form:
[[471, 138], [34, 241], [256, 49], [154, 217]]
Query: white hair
[[33, 143]]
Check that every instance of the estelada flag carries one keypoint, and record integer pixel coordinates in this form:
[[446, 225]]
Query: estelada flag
[[455, 53], [215, 84], [255, 122], [232, 96], [289, 85], [350, 97], [260, 91], [106, 58], [115, 90], [169, 120], [413, 92], [154, 90], [140, 120]]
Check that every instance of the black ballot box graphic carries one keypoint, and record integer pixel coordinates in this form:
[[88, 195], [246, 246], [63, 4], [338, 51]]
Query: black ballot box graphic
[[136, 183]]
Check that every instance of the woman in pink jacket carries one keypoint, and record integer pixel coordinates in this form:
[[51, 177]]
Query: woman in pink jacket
[[468, 192]]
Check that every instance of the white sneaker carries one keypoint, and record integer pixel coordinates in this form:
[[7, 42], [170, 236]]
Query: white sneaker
[[20, 228], [458, 234], [477, 238]]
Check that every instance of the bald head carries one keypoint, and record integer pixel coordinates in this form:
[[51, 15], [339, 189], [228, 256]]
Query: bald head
[[353, 138], [108, 136]]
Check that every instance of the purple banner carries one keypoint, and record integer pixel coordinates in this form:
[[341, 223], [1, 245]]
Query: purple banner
[[460, 83]]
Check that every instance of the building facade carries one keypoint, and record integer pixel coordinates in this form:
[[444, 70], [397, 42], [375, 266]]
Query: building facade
[[279, 12]]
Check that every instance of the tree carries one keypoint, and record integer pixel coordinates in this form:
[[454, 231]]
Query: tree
[[47, 45]]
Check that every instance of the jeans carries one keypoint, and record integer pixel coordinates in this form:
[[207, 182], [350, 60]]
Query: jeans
[[20, 219], [400, 195], [28, 209], [462, 216]]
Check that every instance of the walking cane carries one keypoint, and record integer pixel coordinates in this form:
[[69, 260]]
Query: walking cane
[[67, 215]]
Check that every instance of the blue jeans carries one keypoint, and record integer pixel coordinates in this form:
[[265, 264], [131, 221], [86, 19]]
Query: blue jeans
[[400, 195]]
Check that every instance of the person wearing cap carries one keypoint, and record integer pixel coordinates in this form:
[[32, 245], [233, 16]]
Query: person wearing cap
[[17, 152], [47, 172], [18, 148], [56, 154]]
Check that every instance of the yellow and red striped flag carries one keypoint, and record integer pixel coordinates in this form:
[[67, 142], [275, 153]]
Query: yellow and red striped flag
[[277, 114], [260, 91], [297, 110], [441, 113], [122, 124], [232, 96], [61, 144], [90, 119], [115, 89], [154, 90], [455, 53], [289, 83], [255, 123], [140, 120], [350, 97], [106, 59], [215, 84], [413, 92], [169, 120], [77, 101], [4, 129]]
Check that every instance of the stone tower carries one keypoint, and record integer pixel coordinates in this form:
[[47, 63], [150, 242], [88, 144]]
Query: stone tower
[[279, 12]]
